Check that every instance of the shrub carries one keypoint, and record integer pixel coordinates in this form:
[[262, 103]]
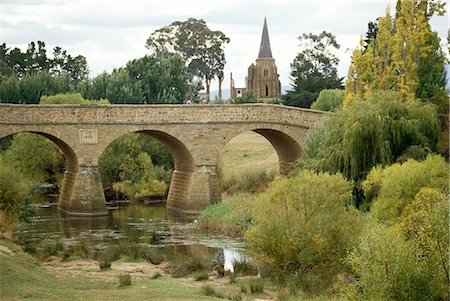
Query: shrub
[[256, 286], [388, 267], [152, 255], [329, 100], [396, 186], [124, 279], [200, 276], [252, 180], [303, 223], [182, 267]]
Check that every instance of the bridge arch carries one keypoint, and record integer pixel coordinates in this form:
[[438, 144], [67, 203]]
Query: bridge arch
[[183, 164], [286, 142], [72, 167]]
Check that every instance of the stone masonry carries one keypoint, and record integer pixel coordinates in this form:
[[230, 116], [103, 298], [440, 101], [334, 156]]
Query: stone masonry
[[194, 135]]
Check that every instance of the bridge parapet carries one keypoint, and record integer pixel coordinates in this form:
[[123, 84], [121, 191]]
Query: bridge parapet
[[157, 114]]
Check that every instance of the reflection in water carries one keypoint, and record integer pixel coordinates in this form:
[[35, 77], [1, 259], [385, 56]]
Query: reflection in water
[[144, 224]]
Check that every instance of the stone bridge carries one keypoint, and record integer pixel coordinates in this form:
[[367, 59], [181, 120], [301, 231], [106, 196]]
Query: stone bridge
[[194, 135]]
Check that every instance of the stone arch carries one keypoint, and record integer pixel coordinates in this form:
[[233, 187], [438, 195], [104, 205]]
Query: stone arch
[[72, 167], [288, 149], [183, 165]]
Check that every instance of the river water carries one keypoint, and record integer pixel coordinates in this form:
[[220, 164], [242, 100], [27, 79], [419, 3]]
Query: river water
[[150, 225]]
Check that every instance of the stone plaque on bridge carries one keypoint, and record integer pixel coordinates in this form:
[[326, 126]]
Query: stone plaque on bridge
[[88, 136]]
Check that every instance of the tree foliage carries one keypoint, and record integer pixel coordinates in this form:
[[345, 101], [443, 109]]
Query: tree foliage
[[377, 131], [201, 48], [303, 224], [404, 56], [36, 157], [147, 80], [396, 186], [329, 100], [35, 60], [313, 69], [136, 165]]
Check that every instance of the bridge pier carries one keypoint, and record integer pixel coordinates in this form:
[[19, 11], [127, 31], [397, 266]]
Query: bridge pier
[[191, 192], [82, 193]]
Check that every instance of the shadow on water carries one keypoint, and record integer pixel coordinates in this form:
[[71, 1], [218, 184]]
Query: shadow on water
[[150, 225]]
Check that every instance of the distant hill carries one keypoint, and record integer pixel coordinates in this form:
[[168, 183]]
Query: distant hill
[[226, 92]]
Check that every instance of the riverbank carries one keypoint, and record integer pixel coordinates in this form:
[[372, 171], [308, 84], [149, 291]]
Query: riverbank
[[24, 278]]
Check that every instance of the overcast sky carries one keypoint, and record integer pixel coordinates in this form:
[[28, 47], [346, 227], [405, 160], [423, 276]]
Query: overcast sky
[[110, 33]]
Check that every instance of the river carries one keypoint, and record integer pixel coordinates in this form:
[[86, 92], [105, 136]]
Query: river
[[150, 225]]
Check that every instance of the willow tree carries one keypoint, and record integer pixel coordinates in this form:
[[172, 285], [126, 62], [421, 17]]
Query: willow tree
[[405, 55], [201, 48], [379, 131]]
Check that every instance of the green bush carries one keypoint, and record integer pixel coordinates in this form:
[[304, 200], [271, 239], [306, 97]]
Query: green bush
[[254, 180], [303, 224], [396, 186], [69, 98], [329, 100], [389, 267]]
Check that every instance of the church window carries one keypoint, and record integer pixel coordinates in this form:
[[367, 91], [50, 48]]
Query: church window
[[266, 71]]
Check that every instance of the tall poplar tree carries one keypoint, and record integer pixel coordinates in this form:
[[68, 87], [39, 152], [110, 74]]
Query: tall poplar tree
[[405, 56]]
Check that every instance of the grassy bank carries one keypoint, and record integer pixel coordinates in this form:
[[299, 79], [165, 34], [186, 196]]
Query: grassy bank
[[24, 278]]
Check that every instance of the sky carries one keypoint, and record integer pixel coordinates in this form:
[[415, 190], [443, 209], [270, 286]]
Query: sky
[[111, 33]]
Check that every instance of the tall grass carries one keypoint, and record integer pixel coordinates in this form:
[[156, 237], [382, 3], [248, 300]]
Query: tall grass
[[232, 216], [249, 180]]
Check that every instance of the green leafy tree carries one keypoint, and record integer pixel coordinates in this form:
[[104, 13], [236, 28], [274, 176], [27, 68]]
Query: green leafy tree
[[14, 195], [313, 69], [201, 48], [162, 79], [122, 88], [303, 225], [329, 100], [36, 157], [377, 131], [136, 165]]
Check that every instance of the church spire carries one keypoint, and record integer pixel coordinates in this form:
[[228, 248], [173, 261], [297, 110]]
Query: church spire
[[264, 50]]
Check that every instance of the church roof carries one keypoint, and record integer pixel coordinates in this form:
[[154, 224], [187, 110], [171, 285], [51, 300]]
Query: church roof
[[264, 50]]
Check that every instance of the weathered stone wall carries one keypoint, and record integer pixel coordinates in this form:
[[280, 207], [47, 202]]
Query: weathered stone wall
[[194, 134]]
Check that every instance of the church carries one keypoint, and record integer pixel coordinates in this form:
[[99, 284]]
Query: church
[[262, 78]]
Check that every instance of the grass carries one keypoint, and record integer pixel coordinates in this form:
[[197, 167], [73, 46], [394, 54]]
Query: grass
[[22, 278], [231, 216]]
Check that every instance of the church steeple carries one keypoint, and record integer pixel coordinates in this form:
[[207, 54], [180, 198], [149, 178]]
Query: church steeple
[[264, 50]]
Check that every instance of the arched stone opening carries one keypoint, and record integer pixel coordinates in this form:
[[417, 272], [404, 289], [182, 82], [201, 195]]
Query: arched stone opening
[[180, 181], [71, 170], [247, 163], [288, 150]]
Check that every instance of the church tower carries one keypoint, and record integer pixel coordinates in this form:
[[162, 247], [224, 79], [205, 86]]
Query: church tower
[[262, 78]]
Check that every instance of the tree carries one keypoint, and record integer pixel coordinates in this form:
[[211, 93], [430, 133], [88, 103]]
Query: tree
[[405, 56], [329, 100], [376, 131], [201, 48], [313, 69], [122, 88]]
